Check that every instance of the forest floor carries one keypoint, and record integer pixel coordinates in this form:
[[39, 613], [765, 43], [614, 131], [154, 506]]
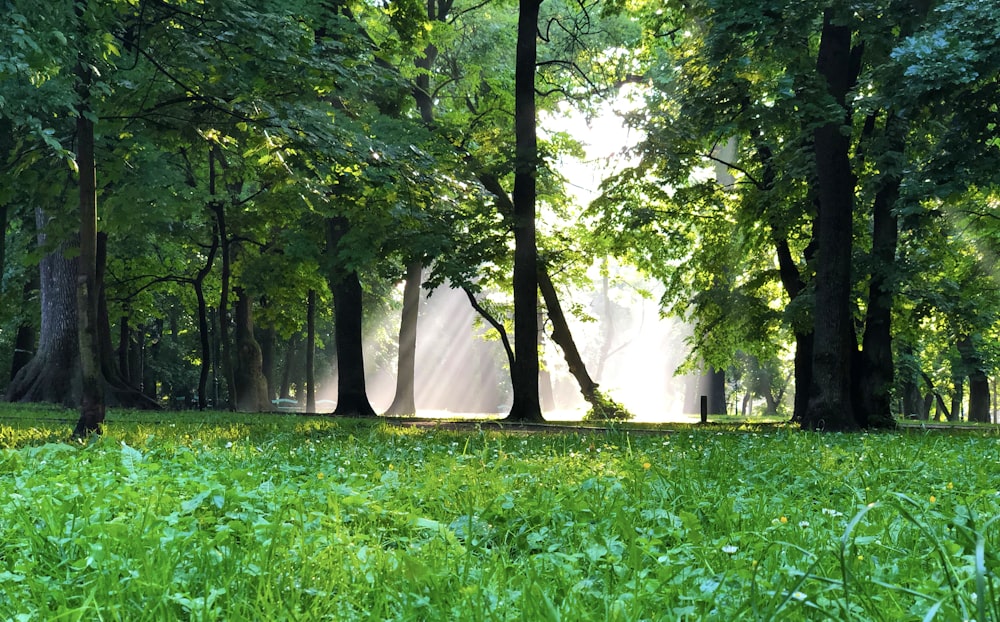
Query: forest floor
[[172, 516]]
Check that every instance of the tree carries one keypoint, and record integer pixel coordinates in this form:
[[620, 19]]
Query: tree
[[830, 404]]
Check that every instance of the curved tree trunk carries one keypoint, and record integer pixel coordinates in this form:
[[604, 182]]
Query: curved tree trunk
[[404, 402]]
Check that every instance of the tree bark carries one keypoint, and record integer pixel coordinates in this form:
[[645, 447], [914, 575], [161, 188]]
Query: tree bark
[[352, 395], [524, 375], [92, 405], [53, 373], [830, 400], [564, 338], [251, 387], [979, 384], [204, 335], [404, 402], [877, 369], [219, 208]]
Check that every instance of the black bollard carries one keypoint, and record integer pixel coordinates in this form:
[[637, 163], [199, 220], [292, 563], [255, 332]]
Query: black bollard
[[704, 409]]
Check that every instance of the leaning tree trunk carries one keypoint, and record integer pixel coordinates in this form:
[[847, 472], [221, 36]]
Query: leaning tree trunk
[[404, 402], [251, 386], [352, 394], [830, 400], [524, 375], [601, 407]]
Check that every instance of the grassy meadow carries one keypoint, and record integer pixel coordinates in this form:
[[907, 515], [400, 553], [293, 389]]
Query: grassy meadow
[[226, 517]]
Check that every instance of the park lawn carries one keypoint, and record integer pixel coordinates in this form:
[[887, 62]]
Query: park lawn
[[229, 517]]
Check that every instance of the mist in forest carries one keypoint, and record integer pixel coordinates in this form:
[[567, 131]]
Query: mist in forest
[[461, 368]]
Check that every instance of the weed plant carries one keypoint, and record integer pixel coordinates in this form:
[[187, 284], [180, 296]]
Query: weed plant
[[296, 518]]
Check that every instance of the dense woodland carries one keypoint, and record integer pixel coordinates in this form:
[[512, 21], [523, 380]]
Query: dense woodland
[[207, 202]]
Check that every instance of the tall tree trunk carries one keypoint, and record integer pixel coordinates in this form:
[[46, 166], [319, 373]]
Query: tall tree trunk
[[404, 402], [352, 395], [204, 331], [524, 376], [251, 388], [311, 352], [791, 280], [92, 406], [877, 370], [225, 357], [830, 400]]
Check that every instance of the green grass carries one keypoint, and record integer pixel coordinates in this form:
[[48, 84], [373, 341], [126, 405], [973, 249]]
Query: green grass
[[226, 517]]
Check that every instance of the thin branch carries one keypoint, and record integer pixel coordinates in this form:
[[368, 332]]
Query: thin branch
[[493, 322]]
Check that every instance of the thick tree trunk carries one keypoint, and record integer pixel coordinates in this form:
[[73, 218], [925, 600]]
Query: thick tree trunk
[[352, 395], [979, 384], [251, 387], [830, 400], [957, 397], [711, 383], [311, 351], [524, 375], [979, 397], [404, 401], [53, 373]]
